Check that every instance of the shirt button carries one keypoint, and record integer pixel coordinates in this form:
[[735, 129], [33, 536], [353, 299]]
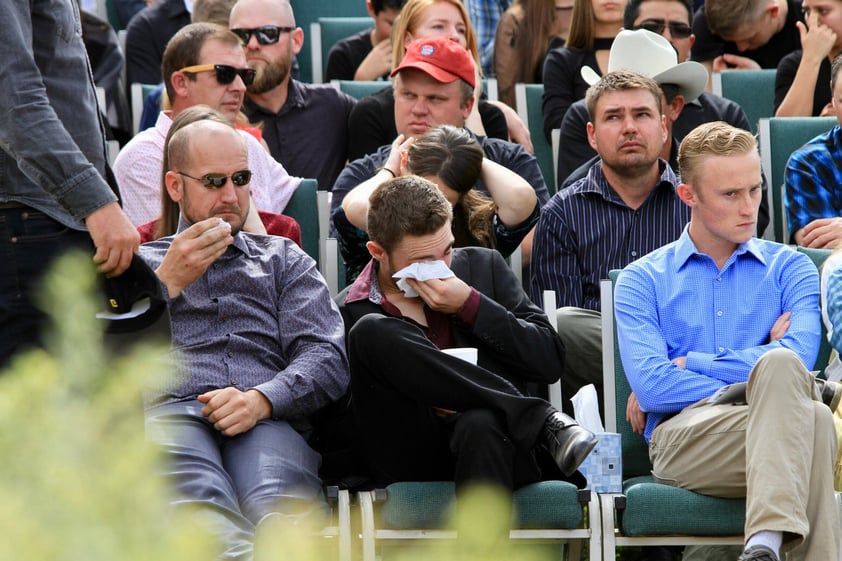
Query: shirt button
[[719, 313], [634, 254], [721, 349], [230, 354], [718, 279]]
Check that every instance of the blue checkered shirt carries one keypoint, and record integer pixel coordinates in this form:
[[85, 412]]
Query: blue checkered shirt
[[675, 302], [813, 181], [485, 16]]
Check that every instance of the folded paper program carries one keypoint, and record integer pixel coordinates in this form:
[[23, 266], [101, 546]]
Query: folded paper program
[[422, 271]]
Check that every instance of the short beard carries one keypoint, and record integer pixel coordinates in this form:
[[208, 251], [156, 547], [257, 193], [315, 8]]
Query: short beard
[[269, 77]]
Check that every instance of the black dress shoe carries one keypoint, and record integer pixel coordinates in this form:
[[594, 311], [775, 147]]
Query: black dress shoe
[[831, 393], [568, 443]]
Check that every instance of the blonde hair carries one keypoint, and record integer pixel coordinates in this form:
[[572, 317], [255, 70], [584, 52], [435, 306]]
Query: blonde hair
[[716, 138], [410, 18]]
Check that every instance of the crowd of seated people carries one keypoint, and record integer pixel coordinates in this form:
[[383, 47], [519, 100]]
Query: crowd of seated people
[[430, 178]]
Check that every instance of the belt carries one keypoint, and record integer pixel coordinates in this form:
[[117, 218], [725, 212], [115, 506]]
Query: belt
[[12, 204]]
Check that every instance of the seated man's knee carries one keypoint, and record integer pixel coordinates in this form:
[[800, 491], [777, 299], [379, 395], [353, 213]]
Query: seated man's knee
[[478, 428]]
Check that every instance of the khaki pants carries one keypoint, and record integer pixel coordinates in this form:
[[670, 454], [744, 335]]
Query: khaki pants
[[778, 452]]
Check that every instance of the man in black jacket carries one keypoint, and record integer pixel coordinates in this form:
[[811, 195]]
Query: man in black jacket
[[423, 414]]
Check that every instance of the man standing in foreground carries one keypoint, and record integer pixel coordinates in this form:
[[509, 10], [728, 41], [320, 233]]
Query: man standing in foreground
[[52, 164], [719, 307]]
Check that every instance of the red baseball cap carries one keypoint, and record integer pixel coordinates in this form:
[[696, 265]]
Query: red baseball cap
[[441, 58]]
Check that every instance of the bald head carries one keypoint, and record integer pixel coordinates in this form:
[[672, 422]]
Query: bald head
[[271, 11], [195, 140]]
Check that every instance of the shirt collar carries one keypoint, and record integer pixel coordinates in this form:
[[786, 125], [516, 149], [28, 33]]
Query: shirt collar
[[366, 286], [686, 249], [295, 98], [597, 183]]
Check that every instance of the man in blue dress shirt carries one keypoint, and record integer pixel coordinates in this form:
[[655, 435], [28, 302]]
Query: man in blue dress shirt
[[719, 307]]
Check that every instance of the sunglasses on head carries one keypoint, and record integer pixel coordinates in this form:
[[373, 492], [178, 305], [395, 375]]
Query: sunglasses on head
[[677, 29], [266, 35], [218, 180], [224, 74]]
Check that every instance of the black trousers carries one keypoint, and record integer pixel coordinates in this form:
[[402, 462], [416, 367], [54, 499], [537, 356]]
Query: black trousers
[[399, 379]]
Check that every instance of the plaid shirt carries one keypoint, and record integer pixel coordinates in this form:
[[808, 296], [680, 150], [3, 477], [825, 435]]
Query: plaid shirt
[[484, 16], [813, 181]]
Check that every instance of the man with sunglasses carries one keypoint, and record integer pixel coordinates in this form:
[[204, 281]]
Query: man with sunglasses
[[257, 341], [203, 64], [304, 125]]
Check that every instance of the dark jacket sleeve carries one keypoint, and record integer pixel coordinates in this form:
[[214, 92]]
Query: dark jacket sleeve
[[573, 146], [514, 336]]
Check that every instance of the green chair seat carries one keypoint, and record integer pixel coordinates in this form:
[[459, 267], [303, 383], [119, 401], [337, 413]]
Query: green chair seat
[[425, 506], [651, 511]]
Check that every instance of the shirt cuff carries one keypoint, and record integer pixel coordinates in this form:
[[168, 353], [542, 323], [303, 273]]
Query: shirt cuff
[[469, 310], [699, 362]]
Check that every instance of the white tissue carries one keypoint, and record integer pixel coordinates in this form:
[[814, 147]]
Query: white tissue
[[423, 271], [586, 409]]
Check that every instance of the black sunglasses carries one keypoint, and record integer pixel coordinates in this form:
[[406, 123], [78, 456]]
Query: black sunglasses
[[266, 35], [224, 74], [217, 180], [677, 29]]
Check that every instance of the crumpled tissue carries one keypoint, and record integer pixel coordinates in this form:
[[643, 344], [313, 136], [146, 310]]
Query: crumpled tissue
[[421, 271]]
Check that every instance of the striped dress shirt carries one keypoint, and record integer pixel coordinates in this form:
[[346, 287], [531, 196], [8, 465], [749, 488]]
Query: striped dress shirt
[[586, 230]]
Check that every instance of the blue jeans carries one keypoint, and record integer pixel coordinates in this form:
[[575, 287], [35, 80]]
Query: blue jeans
[[29, 243], [234, 481]]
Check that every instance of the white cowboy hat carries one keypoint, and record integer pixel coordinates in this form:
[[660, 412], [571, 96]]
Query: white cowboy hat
[[652, 55]]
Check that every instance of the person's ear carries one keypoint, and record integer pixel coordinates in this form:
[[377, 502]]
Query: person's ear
[[376, 250], [675, 107], [686, 194], [591, 137], [370, 9], [179, 84], [175, 186], [297, 40]]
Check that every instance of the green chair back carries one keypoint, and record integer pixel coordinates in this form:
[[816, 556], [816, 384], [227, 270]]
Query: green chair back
[[304, 208], [308, 12], [326, 32], [818, 256], [779, 138], [359, 89], [528, 98], [754, 90]]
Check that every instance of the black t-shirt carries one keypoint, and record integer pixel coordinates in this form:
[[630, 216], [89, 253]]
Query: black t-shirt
[[347, 55], [708, 46], [786, 74], [372, 123]]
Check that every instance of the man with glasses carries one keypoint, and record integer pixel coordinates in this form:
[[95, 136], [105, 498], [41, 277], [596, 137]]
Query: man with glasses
[[203, 64], [257, 341], [305, 125]]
